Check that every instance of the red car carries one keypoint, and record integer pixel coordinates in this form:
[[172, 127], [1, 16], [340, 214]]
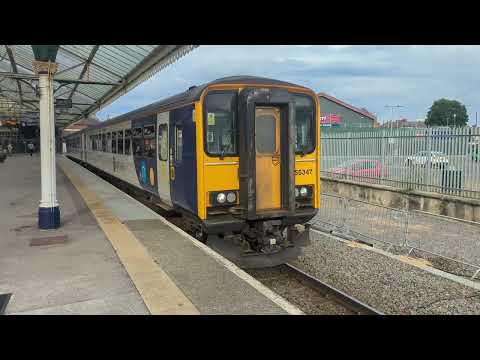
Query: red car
[[364, 168]]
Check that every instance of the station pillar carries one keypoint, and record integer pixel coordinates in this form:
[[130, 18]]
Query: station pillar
[[49, 210]]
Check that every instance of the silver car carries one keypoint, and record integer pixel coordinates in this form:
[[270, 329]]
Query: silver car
[[422, 158]]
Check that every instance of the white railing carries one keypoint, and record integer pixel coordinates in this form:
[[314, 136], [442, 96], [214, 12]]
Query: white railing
[[442, 160]]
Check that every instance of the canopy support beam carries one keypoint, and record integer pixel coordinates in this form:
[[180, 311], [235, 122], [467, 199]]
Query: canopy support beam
[[49, 209]]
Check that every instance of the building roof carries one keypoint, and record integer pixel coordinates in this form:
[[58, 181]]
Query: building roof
[[362, 111]]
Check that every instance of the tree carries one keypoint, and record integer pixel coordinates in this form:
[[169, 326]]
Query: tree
[[446, 112]]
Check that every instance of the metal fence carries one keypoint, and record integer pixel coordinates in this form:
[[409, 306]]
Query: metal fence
[[452, 239], [442, 160]]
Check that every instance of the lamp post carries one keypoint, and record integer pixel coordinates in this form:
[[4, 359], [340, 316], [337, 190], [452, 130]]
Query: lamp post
[[392, 107]]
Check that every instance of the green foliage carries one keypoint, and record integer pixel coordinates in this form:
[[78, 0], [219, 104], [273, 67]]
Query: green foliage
[[445, 112]]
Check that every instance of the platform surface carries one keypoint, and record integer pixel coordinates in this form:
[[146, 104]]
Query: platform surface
[[81, 276], [120, 257]]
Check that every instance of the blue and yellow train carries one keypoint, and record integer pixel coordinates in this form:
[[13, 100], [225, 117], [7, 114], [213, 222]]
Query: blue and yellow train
[[238, 157]]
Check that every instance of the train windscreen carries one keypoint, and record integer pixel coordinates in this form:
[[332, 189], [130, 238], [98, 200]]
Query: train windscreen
[[220, 123], [305, 124]]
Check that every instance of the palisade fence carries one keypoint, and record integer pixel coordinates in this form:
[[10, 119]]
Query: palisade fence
[[442, 160], [451, 239]]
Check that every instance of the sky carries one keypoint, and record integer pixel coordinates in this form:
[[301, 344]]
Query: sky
[[372, 77]]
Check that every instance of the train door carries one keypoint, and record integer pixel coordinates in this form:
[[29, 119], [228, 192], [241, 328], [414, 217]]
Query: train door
[[144, 152], [268, 158], [163, 163], [183, 166]]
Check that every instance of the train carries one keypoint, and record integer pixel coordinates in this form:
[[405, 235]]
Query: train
[[238, 159]]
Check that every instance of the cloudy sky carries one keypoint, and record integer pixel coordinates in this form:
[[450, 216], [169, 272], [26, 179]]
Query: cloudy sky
[[364, 76]]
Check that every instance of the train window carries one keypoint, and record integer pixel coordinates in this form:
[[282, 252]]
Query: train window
[[149, 142], [305, 124], [137, 142], [114, 142], [137, 132], [104, 142], [120, 142], [109, 144], [128, 139], [150, 146], [220, 123], [163, 142], [149, 131], [264, 128], [178, 143]]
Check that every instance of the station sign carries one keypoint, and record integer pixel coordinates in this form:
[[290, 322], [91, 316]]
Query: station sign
[[63, 103]]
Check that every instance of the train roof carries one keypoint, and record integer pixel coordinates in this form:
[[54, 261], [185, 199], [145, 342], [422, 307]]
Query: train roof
[[192, 94]]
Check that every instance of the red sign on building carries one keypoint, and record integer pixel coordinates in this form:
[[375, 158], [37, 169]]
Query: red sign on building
[[330, 119]]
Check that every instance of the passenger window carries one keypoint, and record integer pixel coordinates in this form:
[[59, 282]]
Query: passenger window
[[128, 140], [120, 142], [109, 144], [137, 142], [104, 142], [265, 130], [114, 143], [178, 143], [150, 145], [163, 142]]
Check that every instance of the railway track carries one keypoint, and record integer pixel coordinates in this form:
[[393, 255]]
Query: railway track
[[311, 295]]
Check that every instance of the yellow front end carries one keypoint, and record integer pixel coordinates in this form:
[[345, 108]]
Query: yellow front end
[[215, 174]]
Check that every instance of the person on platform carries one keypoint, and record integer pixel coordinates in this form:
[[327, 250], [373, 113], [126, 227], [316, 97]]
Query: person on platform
[[10, 148], [31, 148]]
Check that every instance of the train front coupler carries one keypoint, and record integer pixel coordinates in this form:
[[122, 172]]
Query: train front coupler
[[270, 236]]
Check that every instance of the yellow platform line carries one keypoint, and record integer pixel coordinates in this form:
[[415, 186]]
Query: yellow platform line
[[158, 291]]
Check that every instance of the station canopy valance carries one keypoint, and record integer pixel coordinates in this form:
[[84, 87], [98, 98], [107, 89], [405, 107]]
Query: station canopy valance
[[88, 77]]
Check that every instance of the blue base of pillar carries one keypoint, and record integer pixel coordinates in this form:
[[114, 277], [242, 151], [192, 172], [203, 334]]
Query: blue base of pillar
[[49, 218]]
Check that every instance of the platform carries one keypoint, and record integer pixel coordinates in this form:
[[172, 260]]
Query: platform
[[119, 256]]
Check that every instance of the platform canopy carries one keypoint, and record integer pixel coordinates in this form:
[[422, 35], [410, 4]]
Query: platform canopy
[[88, 77]]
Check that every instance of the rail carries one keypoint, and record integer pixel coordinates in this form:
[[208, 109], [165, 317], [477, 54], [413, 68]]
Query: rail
[[351, 303]]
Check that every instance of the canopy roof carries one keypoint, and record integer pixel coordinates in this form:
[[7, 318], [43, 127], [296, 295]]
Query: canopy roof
[[91, 76]]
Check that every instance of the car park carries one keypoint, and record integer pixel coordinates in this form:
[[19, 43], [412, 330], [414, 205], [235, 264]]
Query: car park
[[423, 158]]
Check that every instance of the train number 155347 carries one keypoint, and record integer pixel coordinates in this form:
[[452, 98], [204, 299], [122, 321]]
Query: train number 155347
[[303, 172]]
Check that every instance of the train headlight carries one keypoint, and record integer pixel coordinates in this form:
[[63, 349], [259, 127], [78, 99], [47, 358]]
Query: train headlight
[[221, 198], [303, 191], [231, 197]]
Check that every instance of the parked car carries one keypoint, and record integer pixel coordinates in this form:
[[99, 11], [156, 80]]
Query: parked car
[[422, 158], [359, 168]]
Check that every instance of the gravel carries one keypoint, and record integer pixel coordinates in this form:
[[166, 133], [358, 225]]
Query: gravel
[[307, 299], [448, 238], [386, 284]]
